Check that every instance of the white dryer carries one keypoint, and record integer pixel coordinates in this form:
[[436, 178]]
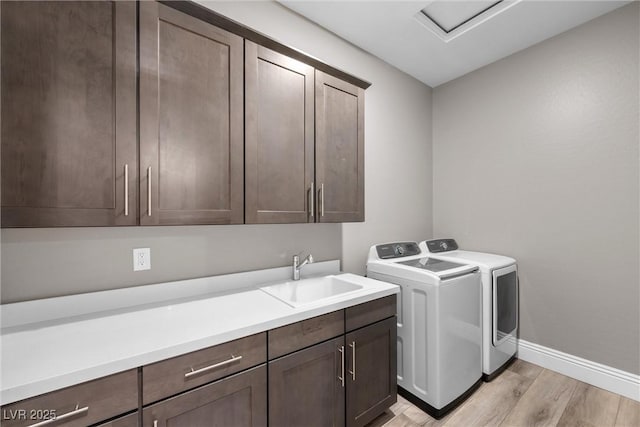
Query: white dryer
[[499, 301], [439, 325]]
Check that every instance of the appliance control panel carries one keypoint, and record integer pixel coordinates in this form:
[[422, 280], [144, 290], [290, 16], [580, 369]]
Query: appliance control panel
[[441, 245], [397, 250]]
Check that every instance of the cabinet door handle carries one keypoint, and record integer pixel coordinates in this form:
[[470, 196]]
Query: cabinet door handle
[[63, 417], [353, 360], [149, 191], [322, 199], [214, 366], [126, 190], [341, 377], [312, 196], [155, 423]]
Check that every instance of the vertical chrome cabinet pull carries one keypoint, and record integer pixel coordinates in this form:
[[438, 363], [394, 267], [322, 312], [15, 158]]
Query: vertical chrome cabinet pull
[[155, 423], [312, 197], [341, 378], [126, 190], [353, 360], [63, 417], [322, 199], [149, 191]]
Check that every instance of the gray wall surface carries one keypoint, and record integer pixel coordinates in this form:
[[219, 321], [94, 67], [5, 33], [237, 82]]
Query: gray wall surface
[[40, 263], [536, 157], [46, 262]]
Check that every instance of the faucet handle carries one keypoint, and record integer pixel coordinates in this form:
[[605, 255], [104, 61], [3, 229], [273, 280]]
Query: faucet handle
[[299, 255]]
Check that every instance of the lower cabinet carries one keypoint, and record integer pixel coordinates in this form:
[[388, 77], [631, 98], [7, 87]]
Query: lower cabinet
[[79, 405], [371, 373], [348, 380], [130, 420], [333, 370], [306, 388], [239, 401]]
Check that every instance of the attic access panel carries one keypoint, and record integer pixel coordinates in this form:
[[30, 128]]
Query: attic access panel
[[451, 15]]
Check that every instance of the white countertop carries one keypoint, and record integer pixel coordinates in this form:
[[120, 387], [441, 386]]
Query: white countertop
[[49, 352]]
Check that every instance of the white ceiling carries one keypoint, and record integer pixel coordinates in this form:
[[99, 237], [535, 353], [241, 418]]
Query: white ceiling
[[390, 30]]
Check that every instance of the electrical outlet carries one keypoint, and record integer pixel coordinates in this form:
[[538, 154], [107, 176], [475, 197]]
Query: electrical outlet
[[142, 259]]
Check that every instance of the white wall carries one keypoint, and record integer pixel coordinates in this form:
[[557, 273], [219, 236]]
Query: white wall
[[536, 156], [40, 263]]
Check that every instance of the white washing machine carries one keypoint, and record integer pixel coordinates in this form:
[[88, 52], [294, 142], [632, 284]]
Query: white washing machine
[[499, 301], [439, 325]]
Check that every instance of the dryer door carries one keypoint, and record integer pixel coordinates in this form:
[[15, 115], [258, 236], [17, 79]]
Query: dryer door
[[505, 304]]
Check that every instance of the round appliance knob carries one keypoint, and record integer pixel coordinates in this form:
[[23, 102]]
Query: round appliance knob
[[444, 246], [399, 250]]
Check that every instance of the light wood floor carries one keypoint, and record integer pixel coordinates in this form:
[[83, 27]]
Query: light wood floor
[[526, 395]]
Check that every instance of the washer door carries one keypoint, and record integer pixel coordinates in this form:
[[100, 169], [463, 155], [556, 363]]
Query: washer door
[[505, 303]]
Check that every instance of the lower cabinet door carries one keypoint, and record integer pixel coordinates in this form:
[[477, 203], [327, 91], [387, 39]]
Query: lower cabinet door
[[307, 388], [371, 371], [238, 401], [130, 420]]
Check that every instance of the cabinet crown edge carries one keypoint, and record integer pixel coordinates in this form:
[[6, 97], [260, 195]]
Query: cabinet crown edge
[[205, 14]]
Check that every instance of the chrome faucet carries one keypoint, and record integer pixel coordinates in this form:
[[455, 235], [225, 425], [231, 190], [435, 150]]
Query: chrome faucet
[[297, 265]]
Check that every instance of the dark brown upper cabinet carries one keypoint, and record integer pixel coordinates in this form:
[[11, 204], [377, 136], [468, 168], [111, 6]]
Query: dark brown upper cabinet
[[117, 116], [290, 176], [339, 154], [279, 126], [69, 149], [191, 120]]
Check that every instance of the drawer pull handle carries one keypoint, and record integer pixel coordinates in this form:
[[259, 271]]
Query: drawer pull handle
[[341, 378], [214, 366], [322, 199], [353, 360], [63, 417]]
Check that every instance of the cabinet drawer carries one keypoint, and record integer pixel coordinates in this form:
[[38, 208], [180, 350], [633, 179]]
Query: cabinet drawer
[[370, 312], [78, 405], [171, 376], [290, 338]]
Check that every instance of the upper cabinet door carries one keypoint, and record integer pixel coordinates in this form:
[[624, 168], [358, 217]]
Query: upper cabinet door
[[68, 114], [339, 150], [191, 120], [279, 137]]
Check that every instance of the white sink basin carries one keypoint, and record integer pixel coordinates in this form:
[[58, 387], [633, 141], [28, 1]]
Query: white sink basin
[[309, 291]]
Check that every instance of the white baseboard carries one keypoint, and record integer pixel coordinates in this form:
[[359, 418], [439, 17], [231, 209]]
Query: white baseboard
[[596, 374]]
